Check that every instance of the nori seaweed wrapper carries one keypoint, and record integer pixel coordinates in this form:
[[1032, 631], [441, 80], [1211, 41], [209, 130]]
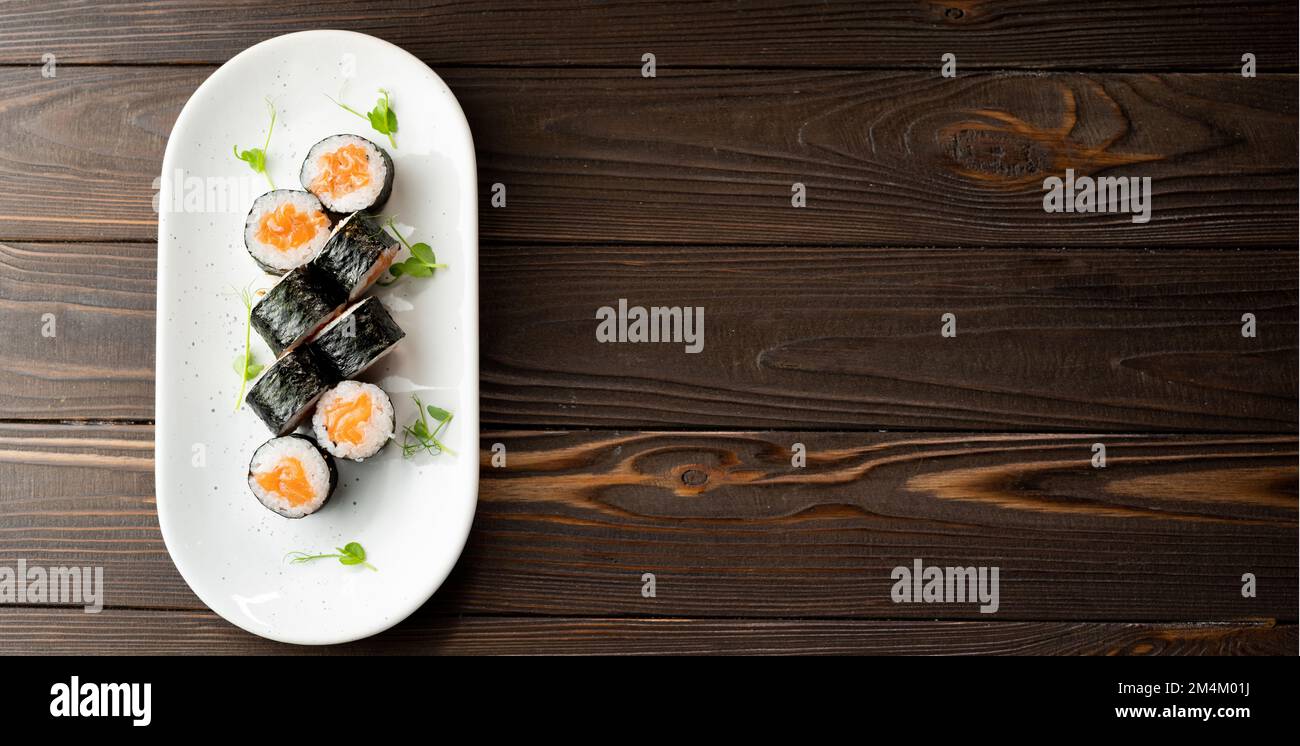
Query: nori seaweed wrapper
[[349, 256], [284, 393], [296, 307], [349, 349]]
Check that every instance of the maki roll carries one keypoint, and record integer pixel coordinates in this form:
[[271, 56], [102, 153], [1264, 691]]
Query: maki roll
[[357, 339], [285, 229], [354, 420], [357, 253], [348, 173], [285, 392], [292, 476], [298, 306]]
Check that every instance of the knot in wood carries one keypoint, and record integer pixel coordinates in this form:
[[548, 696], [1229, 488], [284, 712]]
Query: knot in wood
[[694, 477]]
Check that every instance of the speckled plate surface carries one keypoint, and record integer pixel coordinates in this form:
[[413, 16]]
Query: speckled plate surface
[[411, 515]]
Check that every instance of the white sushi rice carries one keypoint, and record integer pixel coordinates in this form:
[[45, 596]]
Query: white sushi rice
[[375, 432], [272, 256], [358, 199], [268, 457]]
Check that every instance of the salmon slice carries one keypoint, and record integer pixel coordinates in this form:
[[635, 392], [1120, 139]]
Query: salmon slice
[[288, 480], [344, 419], [342, 172], [286, 227]]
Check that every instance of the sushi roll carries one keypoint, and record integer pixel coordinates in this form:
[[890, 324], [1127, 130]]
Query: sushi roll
[[357, 339], [292, 476], [348, 173], [286, 391], [354, 420], [285, 229], [357, 254], [297, 307]]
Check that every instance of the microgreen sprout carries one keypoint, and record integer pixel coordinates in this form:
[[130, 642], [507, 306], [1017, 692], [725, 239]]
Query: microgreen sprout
[[256, 157], [245, 365], [421, 263], [351, 554], [382, 118], [418, 436]]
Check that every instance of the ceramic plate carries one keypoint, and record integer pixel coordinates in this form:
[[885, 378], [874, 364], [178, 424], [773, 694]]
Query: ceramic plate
[[412, 515]]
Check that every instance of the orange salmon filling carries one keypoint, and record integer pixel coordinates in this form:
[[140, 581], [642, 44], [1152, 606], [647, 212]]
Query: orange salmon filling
[[286, 227], [288, 480], [342, 172], [344, 419]]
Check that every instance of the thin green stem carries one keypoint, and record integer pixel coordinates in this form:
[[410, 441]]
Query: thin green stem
[[300, 558], [399, 235], [344, 106], [266, 147], [247, 298], [270, 129], [387, 108]]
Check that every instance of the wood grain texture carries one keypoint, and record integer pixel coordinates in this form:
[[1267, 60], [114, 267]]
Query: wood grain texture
[[849, 338], [709, 157], [828, 338], [731, 529], [1053, 34], [76, 329], [676, 191], [56, 631]]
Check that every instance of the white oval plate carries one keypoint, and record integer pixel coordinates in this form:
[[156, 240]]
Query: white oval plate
[[411, 515]]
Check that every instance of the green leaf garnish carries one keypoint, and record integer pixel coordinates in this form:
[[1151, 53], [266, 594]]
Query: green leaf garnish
[[382, 118], [421, 263], [351, 554], [256, 157], [418, 436], [424, 253], [416, 268], [246, 365]]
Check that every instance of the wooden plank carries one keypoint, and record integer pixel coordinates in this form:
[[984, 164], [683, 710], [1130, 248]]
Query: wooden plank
[[847, 338], [730, 529], [78, 330], [1054, 34], [56, 631], [794, 337], [711, 157]]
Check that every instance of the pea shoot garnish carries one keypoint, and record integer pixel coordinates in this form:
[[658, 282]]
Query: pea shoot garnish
[[246, 365], [418, 436], [421, 263], [256, 157], [382, 118], [350, 554]]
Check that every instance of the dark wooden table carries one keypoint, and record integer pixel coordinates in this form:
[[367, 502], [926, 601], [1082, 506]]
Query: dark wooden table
[[823, 322]]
